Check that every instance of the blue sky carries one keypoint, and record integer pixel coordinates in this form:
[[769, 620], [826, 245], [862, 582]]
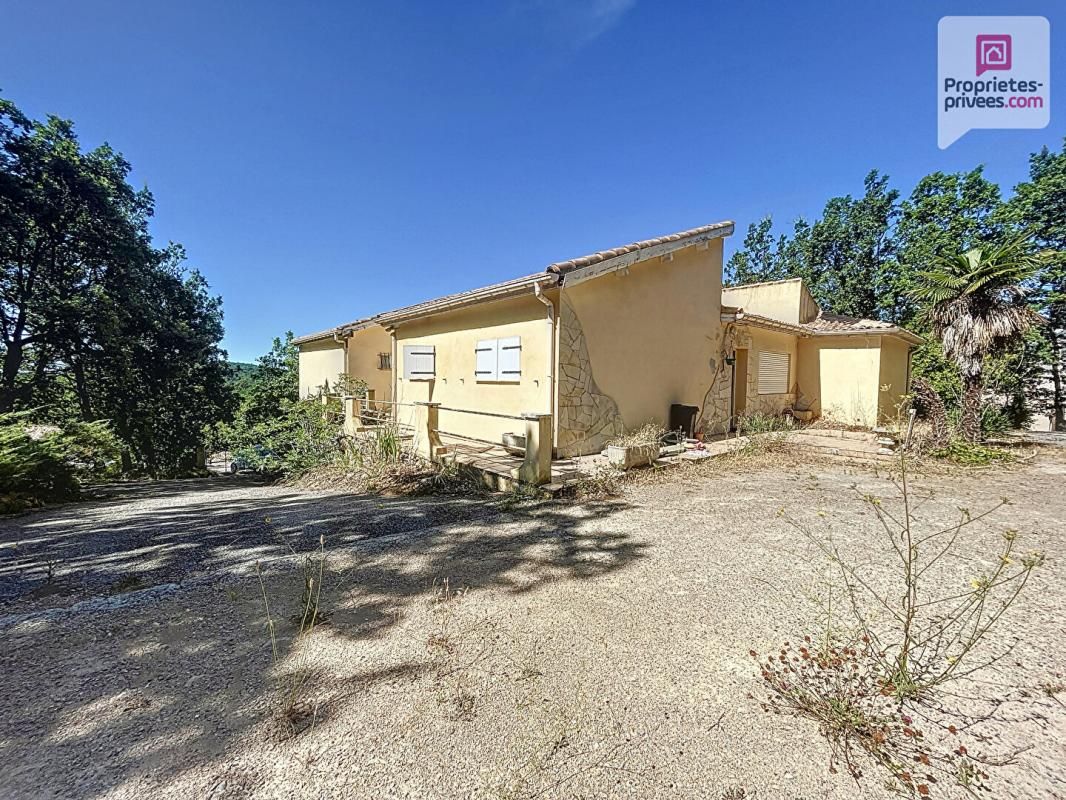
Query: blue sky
[[323, 161]]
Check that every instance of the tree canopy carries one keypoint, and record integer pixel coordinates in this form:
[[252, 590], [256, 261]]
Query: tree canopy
[[95, 322]]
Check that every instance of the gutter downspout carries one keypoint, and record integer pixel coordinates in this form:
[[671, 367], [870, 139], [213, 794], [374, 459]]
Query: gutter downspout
[[395, 378], [343, 342], [538, 292]]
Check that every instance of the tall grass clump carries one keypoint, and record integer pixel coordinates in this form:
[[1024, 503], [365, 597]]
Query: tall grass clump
[[297, 711]]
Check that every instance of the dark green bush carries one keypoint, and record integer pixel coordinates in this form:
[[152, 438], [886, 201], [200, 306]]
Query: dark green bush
[[34, 468], [304, 435], [46, 464]]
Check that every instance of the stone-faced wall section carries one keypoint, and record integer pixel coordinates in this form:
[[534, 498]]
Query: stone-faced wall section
[[588, 418]]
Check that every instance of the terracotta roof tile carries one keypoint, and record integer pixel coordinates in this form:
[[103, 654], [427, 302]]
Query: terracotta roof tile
[[562, 267], [356, 324], [462, 298], [841, 323]]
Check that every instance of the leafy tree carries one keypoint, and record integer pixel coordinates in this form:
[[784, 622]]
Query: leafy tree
[[1039, 205], [946, 214], [95, 323], [849, 248], [842, 256], [274, 386], [759, 259], [976, 306]]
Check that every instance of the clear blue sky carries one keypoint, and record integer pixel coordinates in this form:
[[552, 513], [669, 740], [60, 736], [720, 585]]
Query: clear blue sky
[[322, 161]]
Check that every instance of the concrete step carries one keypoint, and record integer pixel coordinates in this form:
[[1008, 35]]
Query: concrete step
[[865, 448], [877, 454], [832, 433]]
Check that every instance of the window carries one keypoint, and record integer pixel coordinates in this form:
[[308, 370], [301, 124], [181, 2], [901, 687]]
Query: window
[[384, 360], [773, 372], [419, 362], [498, 359]]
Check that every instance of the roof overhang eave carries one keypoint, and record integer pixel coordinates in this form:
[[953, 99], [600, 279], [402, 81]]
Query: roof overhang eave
[[321, 336], [581, 274], [502, 291], [901, 333], [341, 330], [739, 317]]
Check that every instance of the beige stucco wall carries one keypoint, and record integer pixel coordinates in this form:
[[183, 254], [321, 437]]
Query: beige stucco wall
[[651, 336], [788, 301], [848, 377], [320, 362], [363, 349], [758, 340], [454, 336], [895, 355], [809, 376], [858, 380]]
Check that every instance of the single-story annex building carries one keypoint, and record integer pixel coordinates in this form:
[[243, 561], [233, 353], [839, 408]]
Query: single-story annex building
[[361, 349], [606, 342]]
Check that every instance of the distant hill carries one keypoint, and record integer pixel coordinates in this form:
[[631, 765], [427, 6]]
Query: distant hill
[[241, 368], [241, 373]]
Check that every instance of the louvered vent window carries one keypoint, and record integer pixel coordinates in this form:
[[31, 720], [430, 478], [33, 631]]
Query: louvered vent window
[[773, 372]]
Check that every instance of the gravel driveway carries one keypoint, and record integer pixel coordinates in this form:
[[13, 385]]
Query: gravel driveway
[[149, 534], [557, 651]]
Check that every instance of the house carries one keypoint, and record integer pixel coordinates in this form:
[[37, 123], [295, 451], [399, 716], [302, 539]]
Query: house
[[600, 343], [361, 349], [596, 345]]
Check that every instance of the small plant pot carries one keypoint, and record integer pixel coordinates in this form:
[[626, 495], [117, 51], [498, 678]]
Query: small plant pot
[[635, 456], [514, 443]]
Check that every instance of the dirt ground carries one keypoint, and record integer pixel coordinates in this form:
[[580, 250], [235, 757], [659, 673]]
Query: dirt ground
[[556, 650]]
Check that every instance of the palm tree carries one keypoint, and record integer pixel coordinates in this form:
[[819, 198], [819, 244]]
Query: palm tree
[[975, 304]]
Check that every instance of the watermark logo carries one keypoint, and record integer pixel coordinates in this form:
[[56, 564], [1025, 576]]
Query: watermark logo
[[993, 52], [1017, 93]]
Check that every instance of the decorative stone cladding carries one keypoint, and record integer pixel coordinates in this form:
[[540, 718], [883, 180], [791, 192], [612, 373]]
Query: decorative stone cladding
[[715, 416], [588, 418]]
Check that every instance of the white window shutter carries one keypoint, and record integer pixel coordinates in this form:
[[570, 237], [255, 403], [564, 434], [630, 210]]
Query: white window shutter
[[773, 372], [486, 361], [419, 362], [510, 358]]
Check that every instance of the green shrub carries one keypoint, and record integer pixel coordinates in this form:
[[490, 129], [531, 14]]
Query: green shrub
[[995, 421], [34, 468], [303, 436], [764, 423], [92, 449], [967, 454]]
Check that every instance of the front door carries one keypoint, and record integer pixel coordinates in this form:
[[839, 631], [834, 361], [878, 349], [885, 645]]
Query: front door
[[740, 386]]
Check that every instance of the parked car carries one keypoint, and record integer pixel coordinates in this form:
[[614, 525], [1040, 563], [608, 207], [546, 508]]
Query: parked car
[[252, 459]]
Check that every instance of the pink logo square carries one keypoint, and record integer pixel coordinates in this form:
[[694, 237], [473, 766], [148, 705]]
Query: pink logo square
[[993, 52]]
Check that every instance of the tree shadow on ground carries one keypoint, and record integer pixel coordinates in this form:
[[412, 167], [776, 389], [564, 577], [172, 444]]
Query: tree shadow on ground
[[141, 538], [135, 696]]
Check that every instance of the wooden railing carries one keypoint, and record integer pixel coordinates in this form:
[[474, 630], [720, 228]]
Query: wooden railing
[[536, 467], [365, 412]]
